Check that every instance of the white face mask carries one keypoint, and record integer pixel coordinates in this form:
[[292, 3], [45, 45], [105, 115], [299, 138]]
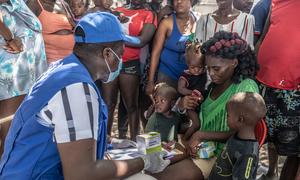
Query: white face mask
[[113, 75]]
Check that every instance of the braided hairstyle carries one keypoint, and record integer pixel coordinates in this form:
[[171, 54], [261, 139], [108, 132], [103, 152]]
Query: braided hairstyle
[[229, 45]]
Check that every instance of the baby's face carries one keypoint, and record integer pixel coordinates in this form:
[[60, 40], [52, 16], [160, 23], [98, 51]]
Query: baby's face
[[106, 3], [195, 62], [162, 104], [78, 7], [196, 70]]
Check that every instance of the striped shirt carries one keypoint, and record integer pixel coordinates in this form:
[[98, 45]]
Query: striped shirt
[[73, 112], [243, 24]]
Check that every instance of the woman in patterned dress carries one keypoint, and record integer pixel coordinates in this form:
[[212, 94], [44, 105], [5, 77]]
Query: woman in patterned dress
[[18, 69]]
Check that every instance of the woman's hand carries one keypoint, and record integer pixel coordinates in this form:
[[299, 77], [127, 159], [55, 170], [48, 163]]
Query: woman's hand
[[193, 144], [188, 102], [150, 88], [14, 46]]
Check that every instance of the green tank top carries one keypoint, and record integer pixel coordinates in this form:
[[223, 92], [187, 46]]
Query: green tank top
[[213, 115]]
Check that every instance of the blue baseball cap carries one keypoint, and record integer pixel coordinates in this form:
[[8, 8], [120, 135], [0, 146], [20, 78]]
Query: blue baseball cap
[[101, 27]]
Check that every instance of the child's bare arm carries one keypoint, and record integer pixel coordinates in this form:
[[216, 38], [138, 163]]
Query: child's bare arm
[[193, 115], [182, 87]]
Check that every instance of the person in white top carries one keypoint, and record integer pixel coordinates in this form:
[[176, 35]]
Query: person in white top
[[226, 18]]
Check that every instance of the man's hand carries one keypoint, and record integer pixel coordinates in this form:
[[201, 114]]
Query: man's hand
[[122, 143], [154, 163]]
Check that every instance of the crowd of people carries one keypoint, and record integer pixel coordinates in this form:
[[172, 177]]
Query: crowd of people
[[204, 82]]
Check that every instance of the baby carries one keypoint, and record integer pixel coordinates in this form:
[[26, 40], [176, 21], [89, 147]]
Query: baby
[[164, 120], [78, 8], [102, 5], [192, 82], [239, 159]]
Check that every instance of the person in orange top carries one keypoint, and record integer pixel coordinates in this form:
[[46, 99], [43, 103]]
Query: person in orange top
[[57, 25], [141, 24], [279, 60]]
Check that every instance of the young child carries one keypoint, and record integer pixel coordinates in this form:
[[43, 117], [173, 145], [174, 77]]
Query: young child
[[164, 120], [192, 82], [106, 6], [239, 159], [102, 5], [78, 8]]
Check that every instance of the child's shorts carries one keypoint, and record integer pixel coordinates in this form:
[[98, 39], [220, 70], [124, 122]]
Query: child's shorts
[[205, 165]]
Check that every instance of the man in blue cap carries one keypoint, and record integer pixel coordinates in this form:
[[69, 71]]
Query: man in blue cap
[[59, 131]]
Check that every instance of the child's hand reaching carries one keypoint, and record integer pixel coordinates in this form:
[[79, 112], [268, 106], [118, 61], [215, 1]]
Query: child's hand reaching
[[197, 94], [168, 146], [14, 46]]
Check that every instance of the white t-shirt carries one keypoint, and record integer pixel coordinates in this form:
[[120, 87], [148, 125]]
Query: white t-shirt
[[73, 112], [243, 24]]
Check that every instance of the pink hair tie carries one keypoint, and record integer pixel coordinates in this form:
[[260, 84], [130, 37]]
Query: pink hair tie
[[218, 45], [238, 41], [213, 49], [227, 44], [222, 41], [232, 42]]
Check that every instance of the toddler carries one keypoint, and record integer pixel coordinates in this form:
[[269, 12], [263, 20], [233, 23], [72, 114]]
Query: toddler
[[164, 120], [239, 159], [192, 82], [102, 5], [78, 8]]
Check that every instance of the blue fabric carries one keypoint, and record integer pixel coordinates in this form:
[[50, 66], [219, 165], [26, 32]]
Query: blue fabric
[[101, 27], [172, 58], [30, 152], [260, 13]]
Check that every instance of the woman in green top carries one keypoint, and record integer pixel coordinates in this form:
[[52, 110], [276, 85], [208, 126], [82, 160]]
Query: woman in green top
[[232, 67]]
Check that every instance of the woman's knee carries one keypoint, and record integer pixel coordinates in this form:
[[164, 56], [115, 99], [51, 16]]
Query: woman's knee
[[184, 169], [131, 107]]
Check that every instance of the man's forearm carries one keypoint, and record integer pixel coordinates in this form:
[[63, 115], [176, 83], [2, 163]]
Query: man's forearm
[[111, 169]]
